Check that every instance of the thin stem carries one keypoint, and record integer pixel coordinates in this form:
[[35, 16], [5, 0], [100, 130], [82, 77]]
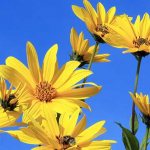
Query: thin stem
[[146, 137], [139, 59], [91, 60]]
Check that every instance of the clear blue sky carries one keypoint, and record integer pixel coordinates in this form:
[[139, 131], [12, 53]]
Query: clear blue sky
[[45, 22]]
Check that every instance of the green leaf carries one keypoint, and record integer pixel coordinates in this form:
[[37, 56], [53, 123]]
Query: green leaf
[[130, 141], [136, 123]]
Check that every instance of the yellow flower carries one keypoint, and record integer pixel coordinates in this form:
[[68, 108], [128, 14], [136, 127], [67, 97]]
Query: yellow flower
[[142, 102], [96, 21], [67, 135], [50, 85], [10, 108], [82, 51], [133, 36]]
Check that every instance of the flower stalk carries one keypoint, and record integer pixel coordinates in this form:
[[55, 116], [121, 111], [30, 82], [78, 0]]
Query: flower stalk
[[91, 60], [146, 138], [139, 59]]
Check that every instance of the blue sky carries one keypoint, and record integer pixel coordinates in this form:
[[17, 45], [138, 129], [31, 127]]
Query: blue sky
[[46, 22]]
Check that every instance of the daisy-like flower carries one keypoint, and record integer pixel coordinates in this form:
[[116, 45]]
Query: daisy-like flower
[[96, 21], [82, 51], [133, 36], [10, 108], [142, 102], [67, 135], [51, 85]]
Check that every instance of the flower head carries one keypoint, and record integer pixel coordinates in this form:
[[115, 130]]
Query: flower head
[[56, 87], [10, 108], [67, 135], [142, 102], [134, 36], [82, 51], [96, 21]]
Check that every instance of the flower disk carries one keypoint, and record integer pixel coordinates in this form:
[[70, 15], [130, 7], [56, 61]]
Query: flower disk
[[45, 92]]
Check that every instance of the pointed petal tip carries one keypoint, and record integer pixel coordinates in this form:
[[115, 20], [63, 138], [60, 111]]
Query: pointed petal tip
[[103, 121], [55, 46], [72, 29], [74, 7], [146, 14], [28, 43], [99, 88], [89, 108], [77, 62]]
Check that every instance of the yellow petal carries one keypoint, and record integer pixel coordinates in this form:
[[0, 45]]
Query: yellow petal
[[91, 11], [80, 12], [79, 102], [34, 110], [6, 72], [145, 25], [121, 37], [129, 27], [137, 26], [130, 50], [65, 73], [91, 49], [110, 14], [84, 47], [79, 43], [142, 109], [80, 93], [71, 123], [99, 58], [63, 122], [73, 39], [49, 63], [98, 145], [39, 132], [33, 62], [91, 133], [77, 76], [61, 105], [8, 118], [21, 68], [79, 127], [25, 135], [50, 123], [101, 13]]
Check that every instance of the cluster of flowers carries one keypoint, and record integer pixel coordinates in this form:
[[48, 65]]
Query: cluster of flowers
[[50, 98]]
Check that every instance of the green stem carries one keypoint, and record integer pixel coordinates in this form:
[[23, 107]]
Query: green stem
[[139, 59], [146, 137], [91, 60]]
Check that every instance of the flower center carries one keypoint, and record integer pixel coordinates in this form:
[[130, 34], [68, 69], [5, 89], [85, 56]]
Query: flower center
[[103, 29], [140, 41], [45, 92], [79, 58], [7, 104], [67, 141]]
